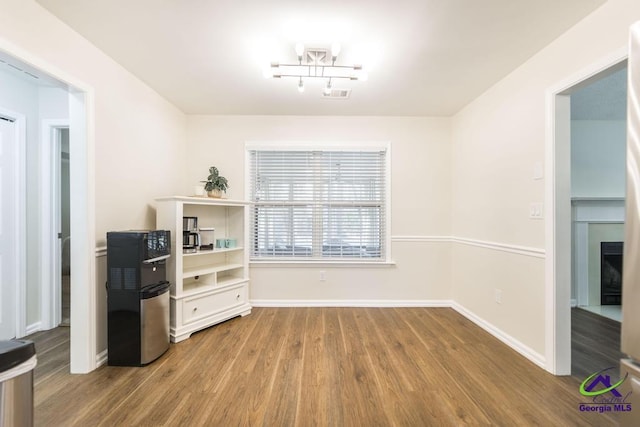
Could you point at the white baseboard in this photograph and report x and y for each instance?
(32, 328)
(350, 303)
(574, 303)
(101, 358)
(521, 348)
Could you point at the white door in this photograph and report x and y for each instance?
(8, 234)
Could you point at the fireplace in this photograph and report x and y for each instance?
(611, 273)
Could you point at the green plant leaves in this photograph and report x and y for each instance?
(215, 181)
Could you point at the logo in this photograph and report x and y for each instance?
(605, 396)
(605, 380)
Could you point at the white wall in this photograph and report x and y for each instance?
(598, 158)
(496, 141)
(139, 136)
(420, 178)
(21, 96)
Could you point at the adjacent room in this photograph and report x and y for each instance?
(334, 213)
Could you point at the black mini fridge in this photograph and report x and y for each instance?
(137, 296)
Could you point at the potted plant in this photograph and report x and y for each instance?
(215, 184)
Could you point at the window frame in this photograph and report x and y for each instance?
(324, 146)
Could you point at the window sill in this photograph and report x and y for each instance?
(321, 264)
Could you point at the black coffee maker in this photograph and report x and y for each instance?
(190, 235)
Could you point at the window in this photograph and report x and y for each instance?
(318, 205)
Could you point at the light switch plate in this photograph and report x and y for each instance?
(536, 210)
(538, 172)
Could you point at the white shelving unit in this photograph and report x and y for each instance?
(208, 286)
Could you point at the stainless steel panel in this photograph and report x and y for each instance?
(630, 390)
(631, 270)
(154, 328)
(16, 401)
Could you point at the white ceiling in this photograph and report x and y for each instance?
(424, 57)
(603, 99)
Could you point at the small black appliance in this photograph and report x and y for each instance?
(137, 296)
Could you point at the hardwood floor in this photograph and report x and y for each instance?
(595, 343)
(52, 350)
(325, 367)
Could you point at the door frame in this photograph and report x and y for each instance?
(20, 209)
(50, 251)
(558, 228)
(83, 346)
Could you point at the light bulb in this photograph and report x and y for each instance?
(327, 89)
(363, 76)
(300, 86)
(267, 72)
(299, 49)
(335, 50)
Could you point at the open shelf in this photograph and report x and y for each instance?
(192, 284)
(201, 270)
(230, 280)
(213, 252)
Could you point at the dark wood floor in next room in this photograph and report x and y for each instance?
(595, 343)
(320, 366)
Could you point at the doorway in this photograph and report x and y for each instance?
(65, 227)
(559, 232)
(598, 187)
(55, 224)
(82, 203)
(11, 225)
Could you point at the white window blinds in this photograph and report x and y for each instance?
(318, 205)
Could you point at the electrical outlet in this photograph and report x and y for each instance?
(323, 276)
(498, 295)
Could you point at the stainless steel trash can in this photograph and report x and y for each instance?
(154, 322)
(17, 361)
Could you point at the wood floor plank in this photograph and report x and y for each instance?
(333, 390)
(314, 384)
(322, 367)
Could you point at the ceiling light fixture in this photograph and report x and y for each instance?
(327, 88)
(299, 50)
(316, 63)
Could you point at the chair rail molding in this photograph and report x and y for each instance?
(503, 247)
